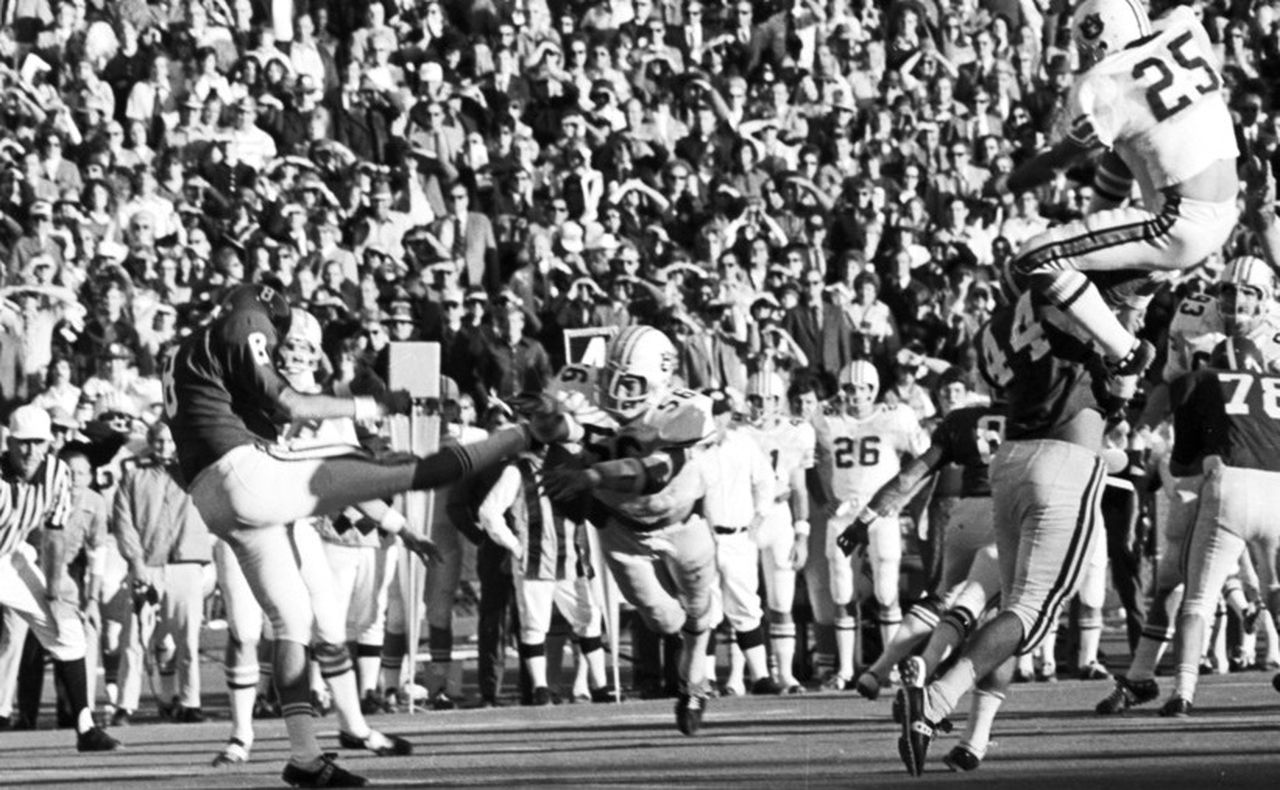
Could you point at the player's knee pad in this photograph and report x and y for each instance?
(753, 637)
(532, 650)
(1203, 604)
(334, 659)
(665, 619)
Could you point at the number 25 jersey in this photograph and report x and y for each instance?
(861, 455)
(1159, 104)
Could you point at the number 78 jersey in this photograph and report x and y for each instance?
(862, 455)
(1159, 104)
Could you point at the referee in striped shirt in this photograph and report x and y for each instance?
(35, 492)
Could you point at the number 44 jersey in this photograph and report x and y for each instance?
(861, 455)
(1159, 104)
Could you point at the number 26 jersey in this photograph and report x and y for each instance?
(1160, 105)
(861, 455)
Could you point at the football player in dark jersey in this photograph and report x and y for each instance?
(225, 399)
(1226, 423)
(1046, 485)
(961, 451)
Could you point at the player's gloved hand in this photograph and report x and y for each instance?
(396, 402)
(567, 482)
(856, 534)
(547, 422)
(421, 546)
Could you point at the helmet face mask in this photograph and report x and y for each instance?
(1244, 288)
(766, 398)
(859, 386)
(638, 368)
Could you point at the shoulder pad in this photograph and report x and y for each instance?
(681, 418)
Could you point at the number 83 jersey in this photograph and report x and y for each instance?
(1159, 104)
(861, 455)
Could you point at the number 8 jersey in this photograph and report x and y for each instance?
(1159, 104)
(861, 455)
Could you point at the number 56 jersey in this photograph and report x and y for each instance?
(861, 455)
(1159, 104)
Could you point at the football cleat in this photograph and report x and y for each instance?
(794, 688)
(917, 730)
(962, 758)
(378, 743)
(868, 685)
(836, 682)
(95, 739)
(1127, 694)
(1047, 673)
(234, 753)
(1094, 670)
(442, 701)
(327, 774)
(1176, 708)
(766, 687)
(690, 705)
(913, 671)
(541, 697)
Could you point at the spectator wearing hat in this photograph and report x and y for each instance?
(467, 237)
(110, 331)
(362, 116)
(40, 239)
(381, 225)
(511, 363)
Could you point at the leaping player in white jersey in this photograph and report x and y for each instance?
(859, 451)
(1153, 98)
(635, 474)
(784, 530)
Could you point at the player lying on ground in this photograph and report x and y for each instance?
(1151, 96)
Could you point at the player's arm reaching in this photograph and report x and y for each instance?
(1045, 165)
(896, 493)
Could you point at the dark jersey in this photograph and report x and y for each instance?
(221, 388)
(1047, 376)
(1233, 415)
(968, 438)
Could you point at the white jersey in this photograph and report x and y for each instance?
(864, 454)
(680, 422)
(1198, 327)
(1159, 104)
(789, 445)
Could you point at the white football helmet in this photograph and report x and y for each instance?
(1104, 27)
(639, 364)
(860, 384)
(1245, 289)
(766, 396)
(299, 351)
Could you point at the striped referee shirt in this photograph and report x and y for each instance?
(27, 506)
